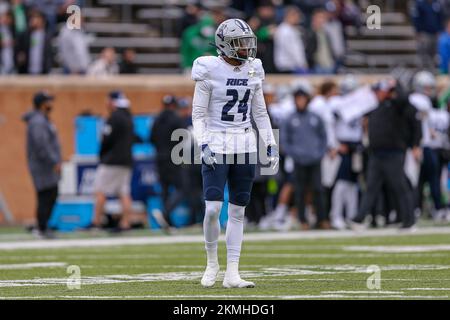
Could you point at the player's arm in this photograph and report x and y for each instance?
(261, 118)
(259, 109)
(200, 103)
(262, 121)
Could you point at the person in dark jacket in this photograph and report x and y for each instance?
(319, 50)
(428, 20)
(128, 63)
(44, 158)
(169, 174)
(33, 48)
(304, 139)
(113, 177)
(393, 128)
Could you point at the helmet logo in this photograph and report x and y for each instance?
(244, 26)
(220, 32)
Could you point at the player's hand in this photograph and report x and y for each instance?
(208, 157)
(274, 156)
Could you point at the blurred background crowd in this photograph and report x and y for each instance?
(342, 163)
(339, 164)
(294, 36)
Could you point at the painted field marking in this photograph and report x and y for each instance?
(182, 239)
(399, 249)
(268, 272)
(22, 266)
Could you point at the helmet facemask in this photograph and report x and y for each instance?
(246, 44)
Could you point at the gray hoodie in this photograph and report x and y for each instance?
(303, 137)
(43, 150)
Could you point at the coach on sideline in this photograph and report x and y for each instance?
(392, 128)
(113, 176)
(44, 158)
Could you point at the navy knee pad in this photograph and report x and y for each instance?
(240, 199)
(213, 193)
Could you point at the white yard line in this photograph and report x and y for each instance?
(158, 240)
(399, 249)
(195, 275)
(426, 289)
(22, 266)
(369, 292)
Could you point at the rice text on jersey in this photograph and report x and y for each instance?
(237, 82)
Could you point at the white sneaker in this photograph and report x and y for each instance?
(266, 222)
(159, 217)
(235, 281)
(338, 224)
(411, 229)
(358, 227)
(440, 215)
(210, 276)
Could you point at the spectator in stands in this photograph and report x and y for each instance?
(264, 25)
(348, 13)
(319, 50)
(196, 40)
(428, 21)
(51, 9)
(303, 137)
(444, 49)
(248, 7)
(7, 43)
(191, 15)
(105, 65)
(169, 173)
(308, 7)
(19, 11)
(289, 49)
(113, 176)
(335, 31)
(34, 51)
(128, 63)
(44, 158)
(73, 47)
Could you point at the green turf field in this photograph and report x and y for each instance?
(412, 266)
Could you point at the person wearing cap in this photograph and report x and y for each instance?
(392, 128)
(303, 137)
(113, 176)
(44, 158)
(170, 174)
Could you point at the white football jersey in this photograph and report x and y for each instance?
(226, 98)
(423, 105)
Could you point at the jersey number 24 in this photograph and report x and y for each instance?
(242, 107)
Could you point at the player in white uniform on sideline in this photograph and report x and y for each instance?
(228, 91)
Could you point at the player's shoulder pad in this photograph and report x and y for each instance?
(202, 67)
(258, 67)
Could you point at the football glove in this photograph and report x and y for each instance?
(273, 156)
(208, 157)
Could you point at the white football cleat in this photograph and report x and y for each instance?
(235, 281)
(210, 276)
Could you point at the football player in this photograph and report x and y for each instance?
(228, 92)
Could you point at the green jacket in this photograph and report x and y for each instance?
(196, 41)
